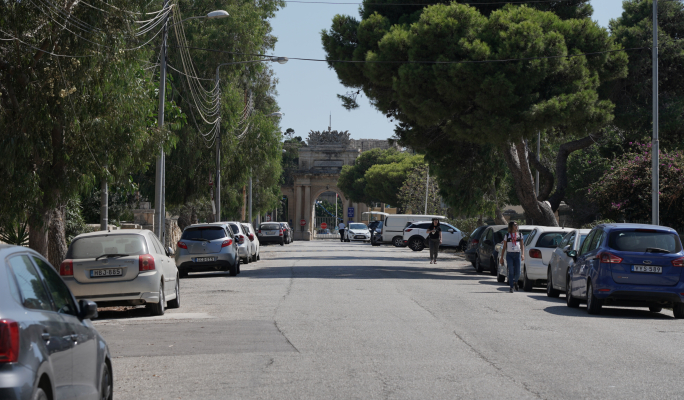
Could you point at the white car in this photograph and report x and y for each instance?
(254, 242)
(357, 231)
(244, 244)
(122, 268)
(539, 246)
(415, 235)
(562, 259)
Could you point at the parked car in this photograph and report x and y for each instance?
(561, 261)
(502, 272)
(126, 267)
(415, 235)
(632, 265)
(394, 224)
(207, 247)
(473, 244)
(485, 256)
(375, 226)
(244, 246)
(49, 349)
(357, 231)
(271, 232)
(287, 232)
(539, 245)
(255, 248)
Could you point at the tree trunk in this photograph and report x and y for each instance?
(38, 232)
(499, 218)
(516, 156)
(57, 236)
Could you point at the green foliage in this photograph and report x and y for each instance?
(412, 195)
(624, 191)
(466, 225)
(75, 224)
(13, 231)
(330, 207)
(290, 158)
(593, 224)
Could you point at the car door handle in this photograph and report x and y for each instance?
(74, 337)
(45, 336)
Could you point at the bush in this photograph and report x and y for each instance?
(467, 225)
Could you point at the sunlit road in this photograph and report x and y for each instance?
(326, 319)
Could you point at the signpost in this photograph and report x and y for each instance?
(324, 225)
(350, 212)
(302, 222)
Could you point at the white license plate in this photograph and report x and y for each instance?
(97, 273)
(647, 268)
(272, 232)
(205, 259)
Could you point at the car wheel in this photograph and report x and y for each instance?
(571, 301)
(678, 310)
(246, 260)
(493, 271)
(233, 269)
(39, 394)
(183, 274)
(158, 308)
(106, 392)
(398, 241)
(655, 309)
(478, 265)
(416, 244)
(175, 303)
(594, 304)
(527, 283)
(500, 278)
(259, 255)
(282, 242)
(550, 291)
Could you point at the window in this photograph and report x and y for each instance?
(30, 285)
(582, 237)
(587, 242)
(95, 246)
(549, 240)
(446, 227)
(499, 236)
(158, 243)
(235, 228)
(642, 240)
(358, 226)
(568, 239)
(596, 240)
(204, 232)
(488, 234)
(155, 245)
(424, 226)
(61, 295)
(477, 233)
(269, 227)
(530, 237)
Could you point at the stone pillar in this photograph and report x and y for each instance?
(298, 211)
(307, 212)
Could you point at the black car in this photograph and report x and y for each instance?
(485, 252)
(474, 244)
(287, 232)
(49, 349)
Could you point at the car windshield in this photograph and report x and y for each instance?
(270, 227)
(582, 237)
(204, 232)
(96, 246)
(644, 240)
(357, 226)
(549, 240)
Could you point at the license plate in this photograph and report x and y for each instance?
(205, 259)
(272, 232)
(647, 268)
(98, 273)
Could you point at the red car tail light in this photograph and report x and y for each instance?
(475, 241)
(678, 262)
(240, 239)
(408, 230)
(281, 232)
(227, 243)
(146, 262)
(259, 231)
(609, 258)
(251, 237)
(535, 253)
(66, 268)
(9, 341)
(182, 245)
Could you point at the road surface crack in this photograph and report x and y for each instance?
(275, 312)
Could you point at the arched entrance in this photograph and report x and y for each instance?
(327, 214)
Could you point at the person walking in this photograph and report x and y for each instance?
(341, 227)
(434, 240)
(514, 250)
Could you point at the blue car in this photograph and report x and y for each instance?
(629, 265)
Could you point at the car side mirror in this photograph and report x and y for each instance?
(170, 252)
(572, 253)
(451, 231)
(87, 309)
(488, 242)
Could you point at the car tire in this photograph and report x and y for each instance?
(416, 244)
(158, 308)
(175, 303)
(493, 270)
(478, 265)
(655, 309)
(398, 241)
(259, 255)
(106, 386)
(571, 301)
(550, 290)
(183, 274)
(233, 269)
(594, 304)
(527, 283)
(39, 394)
(282, 242)
(374, 242)
(500, 278)
(246, 260)
(678, 310)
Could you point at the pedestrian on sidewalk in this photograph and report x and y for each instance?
(515, 253)
(341, 227)
(434, 240)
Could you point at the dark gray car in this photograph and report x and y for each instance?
(49, 349)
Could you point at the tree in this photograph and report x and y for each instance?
(412, 195)
(496, 103)
(383, 181)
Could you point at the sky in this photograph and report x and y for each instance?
(307, 90)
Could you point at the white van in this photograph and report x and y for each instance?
(393, 227)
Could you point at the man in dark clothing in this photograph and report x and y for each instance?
(434, 239)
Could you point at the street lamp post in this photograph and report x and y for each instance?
(655, 147)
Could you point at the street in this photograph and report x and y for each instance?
(325, 319)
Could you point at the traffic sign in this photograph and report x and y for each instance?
(268, 218)
(350, 212)
(302, 222)
(324, 225)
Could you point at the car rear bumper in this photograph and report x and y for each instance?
(271, 239)
(220, 265)
(629, 295)
(536, 269)
(141, 290)
(16, 382)
(470, 254)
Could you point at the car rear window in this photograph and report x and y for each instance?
(204, 232)
(642, 240)
(477, 232)
(95, 246)
(270, 227)
(549, 240)
(357, 226)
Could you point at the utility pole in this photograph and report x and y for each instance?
(655, 146)
(104, 202)
(250, 197)
(159, 176)
(536, 181)
(427, 185)
(218, 160)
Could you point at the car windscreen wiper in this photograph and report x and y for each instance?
(200, 239)
(656, 250)
(111, 255)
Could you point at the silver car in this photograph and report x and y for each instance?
(126, 267)
(254, 242)
(244, 245)
(207, 247)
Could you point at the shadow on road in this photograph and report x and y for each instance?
(608, 312)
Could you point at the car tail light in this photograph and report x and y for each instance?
(408, 230)
(475, 241)
(146, 262)
(609, 258)
(251, 237)
(66, 268)
(227, 243)
(241, 239)
(678, 262)
(9, 341)
(535, 253)
(259, 231)
(281, 232)
(182, 245)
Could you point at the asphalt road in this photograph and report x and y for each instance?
(325, 319)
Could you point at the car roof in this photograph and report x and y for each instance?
(205, 224)
(7, 249)
(116, 232)
(635, 226)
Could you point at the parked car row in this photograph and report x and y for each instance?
(275, 232)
